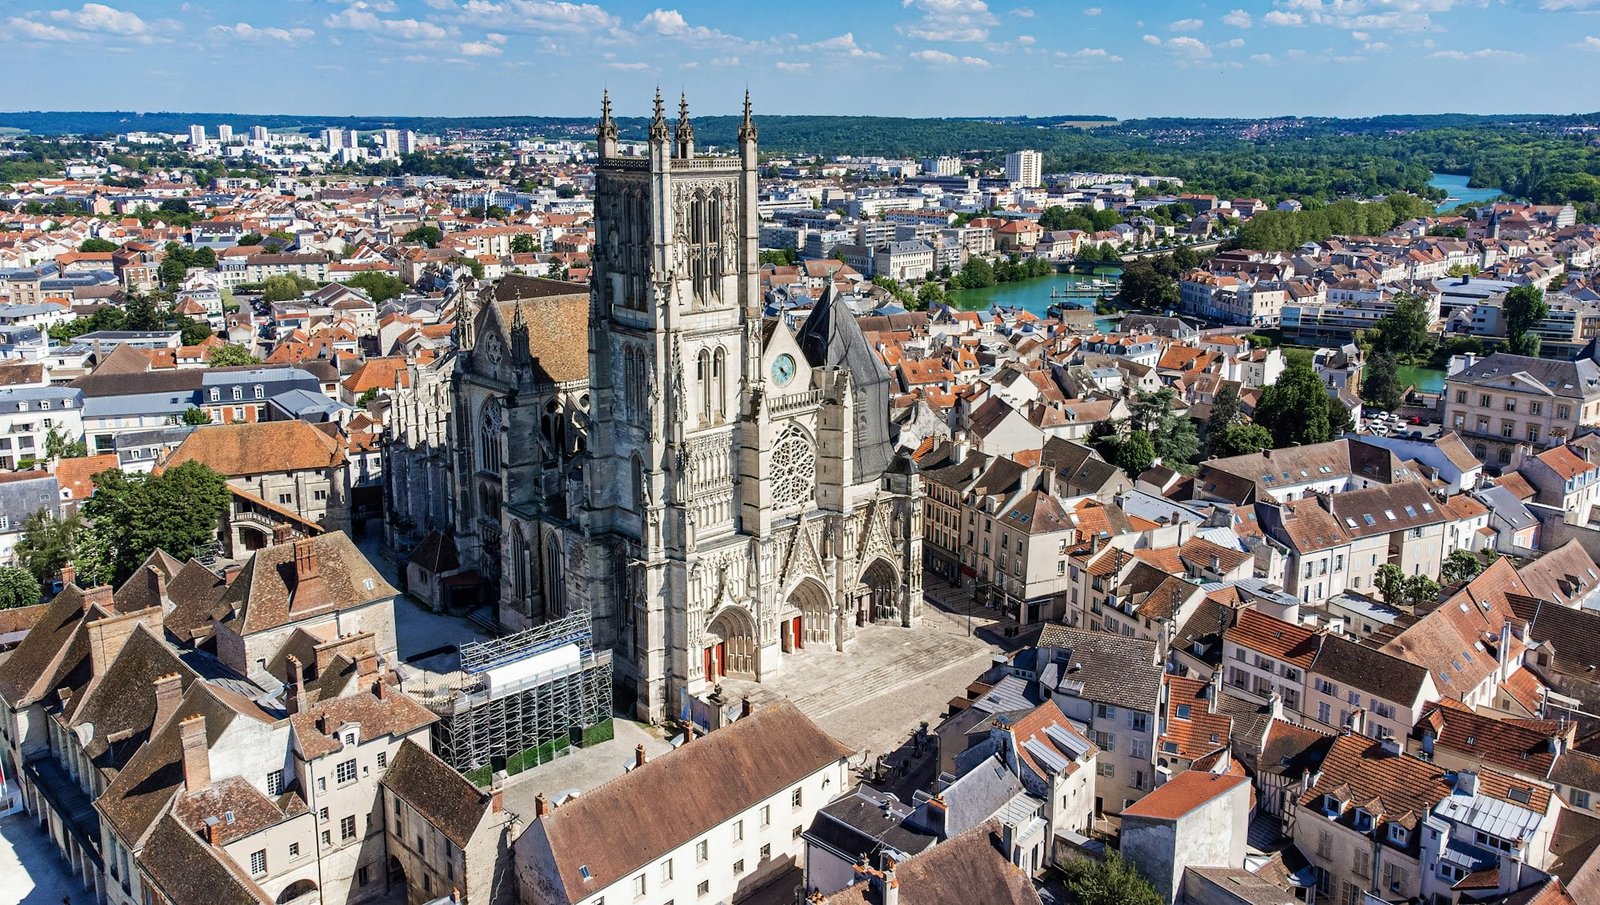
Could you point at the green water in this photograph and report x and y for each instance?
(1426, 380)
(1030, 295)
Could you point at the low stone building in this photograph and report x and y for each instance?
(446, 836)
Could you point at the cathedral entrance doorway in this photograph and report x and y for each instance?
(880, 582)
(730, 644)
(813, 624)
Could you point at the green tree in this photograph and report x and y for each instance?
(281, 288)
(47, 544)
(1391, 583)
(230, 355)
(196, 416)
(1145, 286)
(1404, 332)
(141, 313)
(18, 588)
(1460, 565)
(1298, 409)
(1421, 590)
(977, 273)
(1524, 308)
(930, 294)
(380, 287)
(472, 264)
(1238, 439)
(93, 244)
(58, 446)
(1054, 218)
(424, 235)
(193, 332)
(176, 511)
(1113, 881)
(525, 243)
(1380, 383)
(250, 239)
(172, 271)
(1136, 453)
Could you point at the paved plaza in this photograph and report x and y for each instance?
(873, 696)
(31, 873)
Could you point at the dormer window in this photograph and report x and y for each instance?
(1363, 820)
(1398, 834)
(1332, 806)
(216, 394)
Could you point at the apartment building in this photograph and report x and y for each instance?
(1508, 400)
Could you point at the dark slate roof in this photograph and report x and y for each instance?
(444, 797)
(1355, 665)
(1571, 379)
(1110, 668)
(831, 338)
(865, 823)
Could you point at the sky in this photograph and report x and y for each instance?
(1122, 58)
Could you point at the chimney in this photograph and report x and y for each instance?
(638, 756)
(305, 560)
(1213, 690)
(196, 757)
(99, 596)
(891, 884)
(497, 800)
(230, 572)
(745, 708)
(168, 689)
(541, 806)
(1008, 841)
(157, 583)
(688, 731)
(281, 535)
(107, 636)
(213, 833)
(294, 695)
(938, 813)
(68, 574)
(366, 663)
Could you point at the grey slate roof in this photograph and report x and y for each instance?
(1099, 666)
(831, 337)
(1571, 379)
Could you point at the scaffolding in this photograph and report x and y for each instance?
(520, 700)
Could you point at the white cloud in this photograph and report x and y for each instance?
(787, 66)
(244, 31)
(537, 15)
(1151, 39)
(97, 17)
(479, 49)
(1279, 17)
(669, 23)
(495, 38)
(1232, 44)
(42, 31)
(1090, 54)
(948, 20)
(1487, 53)
(842, 44)
(1238, 19)
(1189, 47)
(381, 6)
(1023, 12)
(1360, 35)
(1187, 25)
(1027, 40)
(1589, 42)
(358, 17)
(1263, 58)
(628, 67)
(941, 58)
(1364, 15)
(1092, 11)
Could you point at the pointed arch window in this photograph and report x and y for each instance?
(704, 377)
(636, 484)
(489, 457)
(555, 585)
(719, 376)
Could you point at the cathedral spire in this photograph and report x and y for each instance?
(747, 128)
(606, 133)
(658, 124)
(685, 128)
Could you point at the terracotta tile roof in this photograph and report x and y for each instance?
(1449, 640)
(186, 869)
(1518, 485)
(379, 374)
(268, 594)
(1392, 787)
(556, 316)
(1527, 745)
(1192, 729)
(316, 728)
(1182, 794)
(75, 475)
(262, 447)
(1256, 631)
(663, 805)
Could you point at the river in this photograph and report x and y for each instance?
(1031, 295)
(1459, 191)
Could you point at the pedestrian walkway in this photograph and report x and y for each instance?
(31, 872)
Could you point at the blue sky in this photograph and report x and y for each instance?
(1124, 58)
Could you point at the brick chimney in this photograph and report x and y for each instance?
(68, 574)
(230, 572)
(305, 560)
(309, 589)
(156, 581)
(294, 692)
(497, 800)
(745, 708)
(213, 833)
(938, 811)
(196, 757)
(97, 596)
(638, 756)
(107, 636)
(168, 691)
(366, 663)
(541, 806)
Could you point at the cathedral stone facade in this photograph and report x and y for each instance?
(717, 487)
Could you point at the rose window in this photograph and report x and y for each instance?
(794, 469)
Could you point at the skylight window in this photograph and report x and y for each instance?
(1411, 511)
(1350, 521)
(1389, 513)
(1367, 517)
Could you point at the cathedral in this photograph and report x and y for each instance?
(717, 487)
